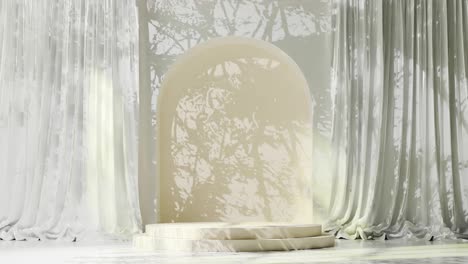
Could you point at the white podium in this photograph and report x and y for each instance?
(225, 237)
(234, 152)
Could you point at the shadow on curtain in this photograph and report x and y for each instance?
(68, 118)
(400, 130)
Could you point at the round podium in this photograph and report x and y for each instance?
(226, 237)
(234, 152)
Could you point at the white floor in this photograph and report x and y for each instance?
(394, 251)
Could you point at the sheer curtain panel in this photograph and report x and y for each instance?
(400, 128)
(68, 118)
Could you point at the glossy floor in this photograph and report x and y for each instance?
(394, 251)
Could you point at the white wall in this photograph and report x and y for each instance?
(301, 28)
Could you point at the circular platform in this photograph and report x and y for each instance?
(146, 242)
(224, 231)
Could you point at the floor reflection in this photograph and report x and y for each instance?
(346, 251)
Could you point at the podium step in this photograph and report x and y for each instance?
(224, 231)
(232, 237)
(147, 242)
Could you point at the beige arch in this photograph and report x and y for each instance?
(234, 135)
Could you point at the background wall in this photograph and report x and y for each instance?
(168, 28)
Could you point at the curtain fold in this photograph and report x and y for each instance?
(400, 131)
(68, 118)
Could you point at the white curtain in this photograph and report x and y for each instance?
(400, 135)
(68, 118)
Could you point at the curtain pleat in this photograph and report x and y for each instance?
(68, 118)
(400, 131)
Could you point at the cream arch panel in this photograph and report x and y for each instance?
(234, 135)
